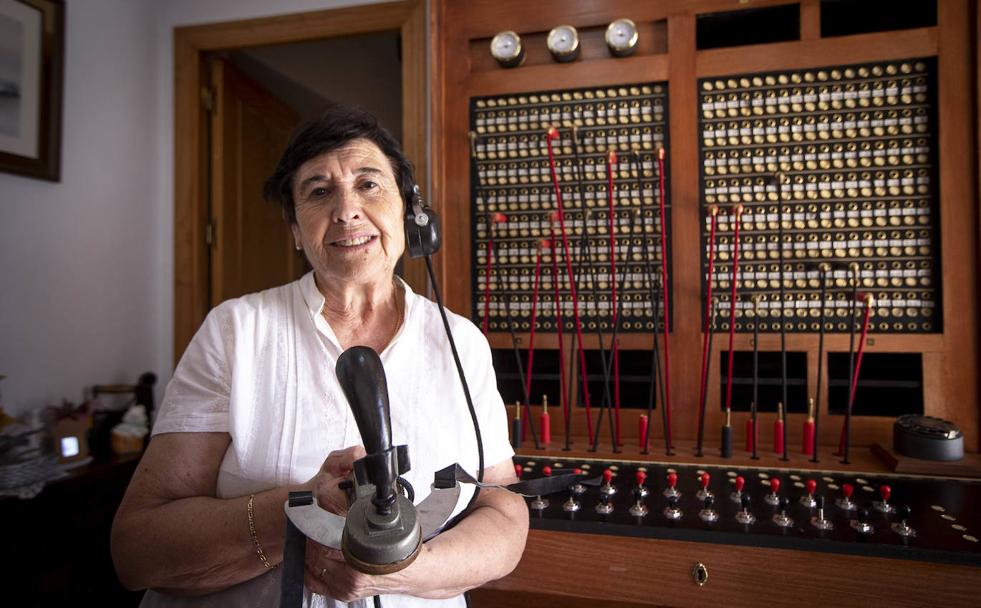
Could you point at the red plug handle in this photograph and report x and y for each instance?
(774, 484)
(518, 470)
(672, 480)
(847, 490)
(641, 477)
(884, 492)
(705, 480)
(740, 483)
(577, 471)
(547, 471)
(811, 486)
(607, 476)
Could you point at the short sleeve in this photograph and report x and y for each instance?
(491, 413)
(196, 399)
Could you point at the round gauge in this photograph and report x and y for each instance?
(506, 48)
(563, 43)
(621, 37)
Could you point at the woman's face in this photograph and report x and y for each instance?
(349, 214)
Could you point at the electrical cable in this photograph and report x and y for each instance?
(667, 298)
(585, 253)
(551, 134)
(706, 341)
(466, 393)
(654, 293)
(524, 389)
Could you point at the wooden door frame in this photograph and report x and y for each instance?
(191, 44)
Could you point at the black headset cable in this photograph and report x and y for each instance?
(466, 392)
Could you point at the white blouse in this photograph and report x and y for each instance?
(261, 368)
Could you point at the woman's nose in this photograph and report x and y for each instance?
(347, 207)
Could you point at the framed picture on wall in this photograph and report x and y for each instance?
(32, 41)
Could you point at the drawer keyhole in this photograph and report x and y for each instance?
(700, 574)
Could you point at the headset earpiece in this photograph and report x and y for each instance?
(421, 226)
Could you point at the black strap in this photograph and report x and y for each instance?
(294, 557)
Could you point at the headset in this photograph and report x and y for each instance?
(421, 225)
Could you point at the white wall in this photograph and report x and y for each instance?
(82, 285)
(86, 265)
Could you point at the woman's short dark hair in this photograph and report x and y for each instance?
(338, 126)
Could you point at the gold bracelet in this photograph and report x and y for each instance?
(255, 538)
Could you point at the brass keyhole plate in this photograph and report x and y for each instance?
(700, 574)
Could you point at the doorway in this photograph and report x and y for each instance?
(258, 96)
(240, 89)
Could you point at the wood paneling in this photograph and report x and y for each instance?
(845, 50)
(190, 196)
(571, 570)
(958, 219)
(415, 89)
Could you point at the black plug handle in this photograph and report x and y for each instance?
(362, 378)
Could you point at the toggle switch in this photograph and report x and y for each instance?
(862, 524)
(607, 489)
(808, 499)
(902, 526)
(671, 490)
(641, 489)
(704, 492)
(883, 505)
(845, 502)
(737, 496)
(745, 516)
(708, 514)
(781, 518)
(605, 505)
(773, 498)
(818, 521)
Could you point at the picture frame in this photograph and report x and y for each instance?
(32, 42)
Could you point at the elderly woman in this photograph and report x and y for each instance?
(254, 409)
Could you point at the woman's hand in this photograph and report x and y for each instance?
(336, 468)
(328, 574)
(484, 546)
(324, 564)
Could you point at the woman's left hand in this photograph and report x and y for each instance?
(328, 574)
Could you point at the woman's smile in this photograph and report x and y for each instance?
(354, 243)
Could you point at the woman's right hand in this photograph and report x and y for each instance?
(336, 468)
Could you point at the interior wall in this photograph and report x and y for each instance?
(82, 284)
(86, 264)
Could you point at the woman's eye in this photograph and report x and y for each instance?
(318, 192)
(369, 185)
